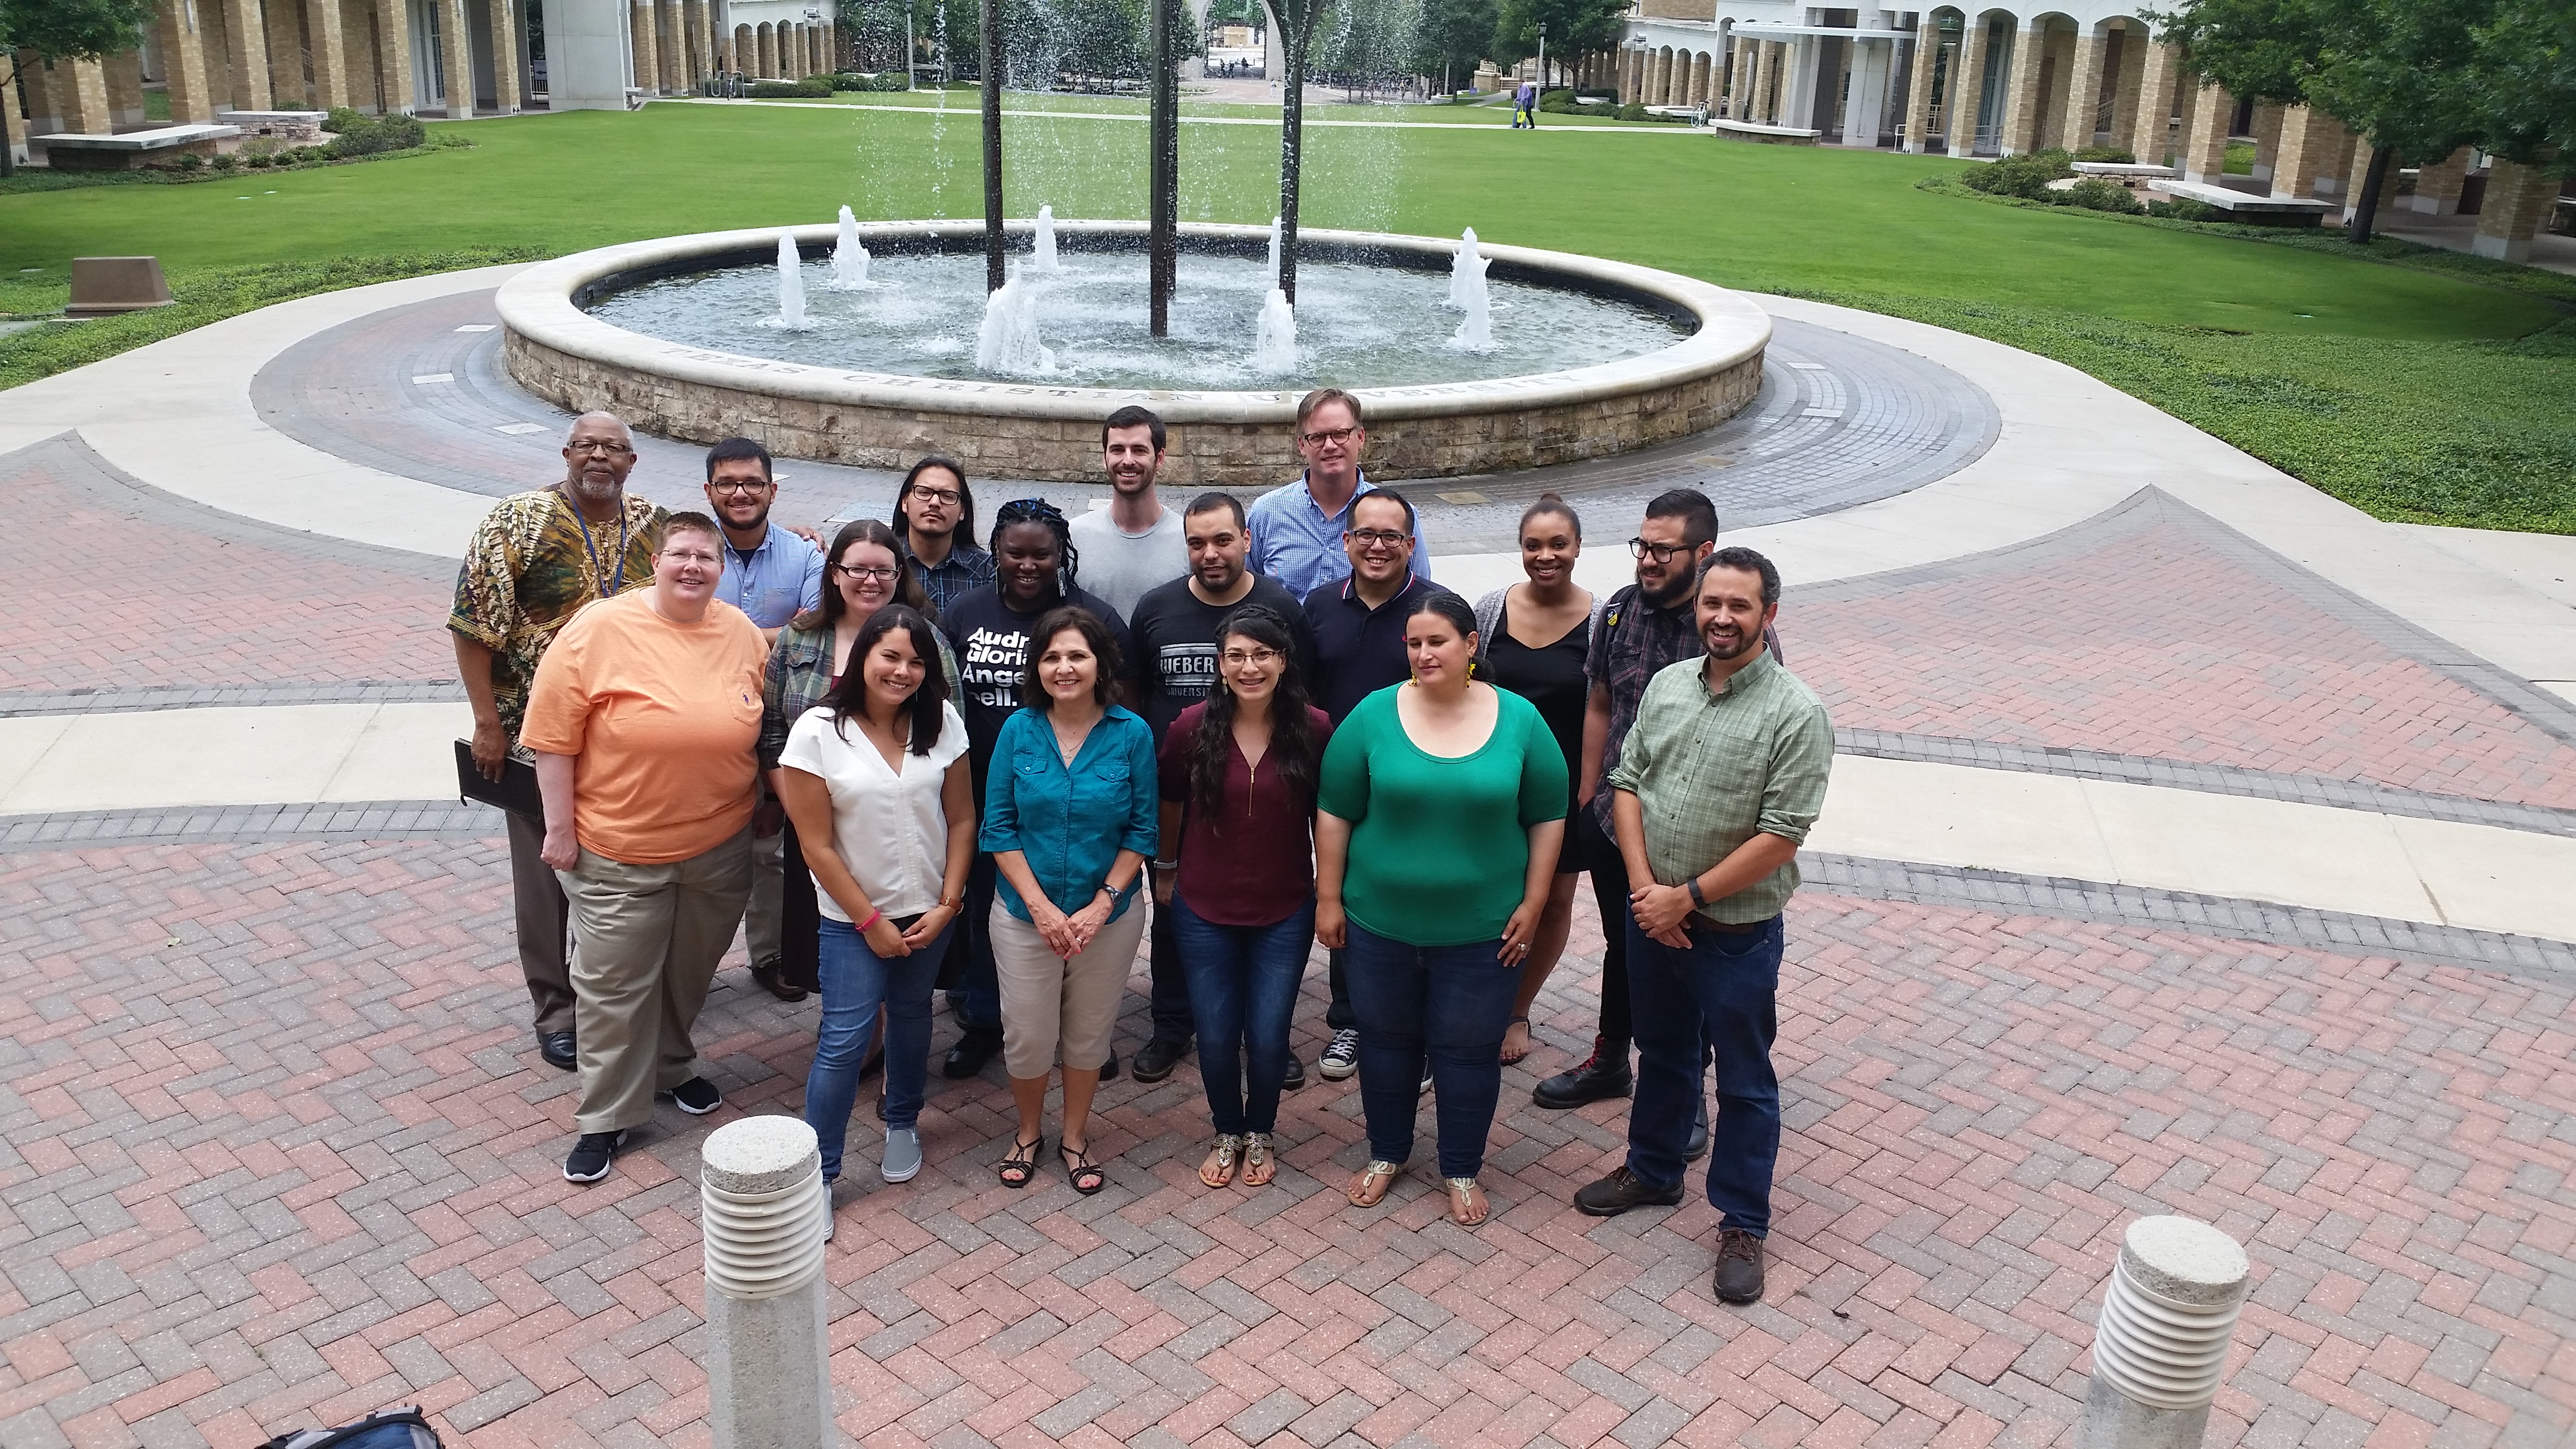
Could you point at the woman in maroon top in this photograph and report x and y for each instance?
(1238, 786)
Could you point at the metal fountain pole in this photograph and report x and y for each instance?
(1163, 183)
(1298, 19)
(989, 35)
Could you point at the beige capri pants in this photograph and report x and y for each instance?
(1048, 1002)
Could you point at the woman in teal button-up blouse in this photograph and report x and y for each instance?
(1070, 820)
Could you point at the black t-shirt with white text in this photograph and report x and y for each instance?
(991, 640)
(1176, 644)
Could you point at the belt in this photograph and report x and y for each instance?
(1730, 928)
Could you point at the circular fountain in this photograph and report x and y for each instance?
(1467, 359)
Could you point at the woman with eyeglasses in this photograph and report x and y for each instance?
(1442, 808)
(1070, 820)
(875, 779)
(1538, 641)
(864, 570)
(1238, 789)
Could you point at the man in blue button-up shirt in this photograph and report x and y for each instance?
(1297, 530)
(772, 575)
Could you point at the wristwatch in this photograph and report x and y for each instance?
(1696, 898)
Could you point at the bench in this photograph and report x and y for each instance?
(299, 128)
(2128, 173)
(1768, 135)
(2247, 207)
(131, 150)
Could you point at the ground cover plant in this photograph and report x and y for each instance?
(2428, 390)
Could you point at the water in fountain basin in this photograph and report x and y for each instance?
(1042, 260)
(1458, 269)
(791, 287)
(1274, 337)
(850, 258)
(1476, 331)
(1008, 344)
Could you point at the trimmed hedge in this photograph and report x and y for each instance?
(811, 88)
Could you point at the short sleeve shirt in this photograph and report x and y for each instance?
(1123, 567)
(774, 582)
(889, 825)
(529, 566)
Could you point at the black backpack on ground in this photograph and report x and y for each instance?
(392, 1429)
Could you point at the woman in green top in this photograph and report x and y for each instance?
(1442, 805)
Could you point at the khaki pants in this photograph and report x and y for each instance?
(1047, 1001)
(760, 921)
(647, 939)
(537, 900)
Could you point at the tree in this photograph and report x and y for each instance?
(2523, 78)
(1574, 27)
(1455, 35)
(2388, 69)
(60, 30)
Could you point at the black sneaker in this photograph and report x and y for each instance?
(972, 1051)
(1698, 1145)
(1739, 1267)
(697, 1096)
(1156, 1058)
(1109, 1068)
(1620, 1191)
(1602, 1076)
(590, 1157)
(1296, 1074)
(1341, 1055)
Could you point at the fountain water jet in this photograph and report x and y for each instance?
(1274, 251)
(1458, 269)
(1008, 342)
(791, 286)
(850, 258)
(1274, 339)
(1042, 256)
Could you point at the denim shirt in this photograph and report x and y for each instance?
(1070, 822)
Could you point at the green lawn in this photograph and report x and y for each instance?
(2387, 386)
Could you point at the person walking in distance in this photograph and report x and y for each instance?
(535, 559)
(1720, 778)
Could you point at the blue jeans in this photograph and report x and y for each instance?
(1723, 991)
(856, 981)
(1174, 1020)
(1243, 988)
(977, 992)
(1449, 1002)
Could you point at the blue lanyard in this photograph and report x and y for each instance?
(596, 569)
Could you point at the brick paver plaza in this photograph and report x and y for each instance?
(278, 1150)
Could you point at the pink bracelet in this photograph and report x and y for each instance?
(873, 918)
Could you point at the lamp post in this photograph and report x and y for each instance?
(1542, 62)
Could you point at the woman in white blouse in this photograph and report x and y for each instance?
(875, 778)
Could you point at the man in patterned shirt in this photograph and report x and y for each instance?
(536, 558)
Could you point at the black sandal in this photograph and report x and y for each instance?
(1021, 1167)
(1086, 1175)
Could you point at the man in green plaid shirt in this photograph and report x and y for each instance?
(1722, 775)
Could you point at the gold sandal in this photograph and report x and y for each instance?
(1258, 1164)
(1369, 1188)
(1218, 1170)
(1466, 1195)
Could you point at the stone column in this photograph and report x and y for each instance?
(80, 90)
(505, 56)
(1739, 77)
(1967, 93)
(696, 61)
(330, 53)
(124, 76)
(2083, 94)
(2267, 140)
(1918, 90)
(2126, 84)
(286, 84)
(2437, 184)
(2204, 146)
(246, 53)
(456, 58)
(183, 59)
(393, 56)
(358, 52)
(1677, 78)
(648, 52)
(2150, 132)
(1777, 84)
(2518, 199)
(2021, 94)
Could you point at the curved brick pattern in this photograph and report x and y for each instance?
(2156, 631)
(288, 1159)
(162, 593)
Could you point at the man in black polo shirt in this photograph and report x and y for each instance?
(1358, 624)
(1175, 626)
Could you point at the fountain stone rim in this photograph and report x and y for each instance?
(539, 306)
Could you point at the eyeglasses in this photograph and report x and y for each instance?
(1322, 436)
(702, 560)
(945, 497)
(1662, 552)
(879, 572)
(1238, 658)
(1379, 537)
(731, 486)
(608, 446)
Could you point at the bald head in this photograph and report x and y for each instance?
(598, 454)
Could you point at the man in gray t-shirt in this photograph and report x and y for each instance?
(1134, 545)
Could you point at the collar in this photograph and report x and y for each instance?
(1308, 488)
(768, 535)
(1751, 673)
(1350, 586)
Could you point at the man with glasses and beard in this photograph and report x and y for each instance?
(535, 559)
(934, 515)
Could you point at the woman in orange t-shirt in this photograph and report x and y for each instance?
(643, 717)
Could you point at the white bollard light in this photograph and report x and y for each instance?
(2160, 1346)
(763, 1207)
